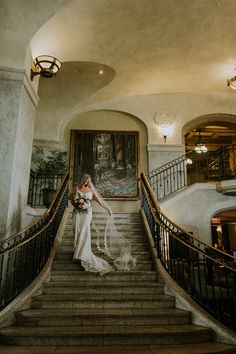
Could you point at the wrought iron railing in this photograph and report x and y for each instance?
(227, 162)
(207, 274)
(191, 168)
(23, 256)
(42, 188)
(184, 171)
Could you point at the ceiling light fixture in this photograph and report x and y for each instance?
(232, 82)
(200, 146)
(45, 66)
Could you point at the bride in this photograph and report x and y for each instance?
(109, 241)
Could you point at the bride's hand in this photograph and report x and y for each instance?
(109, 212)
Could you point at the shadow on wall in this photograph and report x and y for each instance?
(14, 225)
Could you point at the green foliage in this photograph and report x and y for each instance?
(55, 162)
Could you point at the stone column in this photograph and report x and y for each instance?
(18, 102)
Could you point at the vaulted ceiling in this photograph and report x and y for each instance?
(154, 46)
(143, 47)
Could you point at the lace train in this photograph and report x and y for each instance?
(82, 244)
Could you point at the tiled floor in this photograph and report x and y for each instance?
(152, 349)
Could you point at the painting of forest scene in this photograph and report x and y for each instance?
(111, 158)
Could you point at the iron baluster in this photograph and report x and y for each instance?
(200, 269)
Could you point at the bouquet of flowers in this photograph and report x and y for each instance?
(80, 201)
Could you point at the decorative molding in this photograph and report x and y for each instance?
(49, 144)
(11, 74)
(14, 74)
(165, 147)
(164, 118)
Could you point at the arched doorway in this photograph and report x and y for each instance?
(223, 228)
(215, 130)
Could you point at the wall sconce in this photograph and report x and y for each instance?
(232, 82)
(164, 121)
(46, 66)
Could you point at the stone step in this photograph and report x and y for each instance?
(103, 215)
(138, 246)
(104, 335)
(136, 276)
(102, 317)
(130, 235)
(117, 222)
(68, 239)
(69, 265)
(98, 301)
(193, 348)
(139, 255)
(102, 287)
(121, 227)
(86, 297)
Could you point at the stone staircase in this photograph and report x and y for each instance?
(78, 308)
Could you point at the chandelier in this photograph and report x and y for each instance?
(232, 83)
(45, 66)
(200, 146)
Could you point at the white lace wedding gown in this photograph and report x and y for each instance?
(83, 251)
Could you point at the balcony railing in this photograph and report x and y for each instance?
(42, 188)
(193, 168)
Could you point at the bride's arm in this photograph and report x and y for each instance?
(101, 202)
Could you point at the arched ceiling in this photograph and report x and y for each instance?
(153, 45)
(214, 134)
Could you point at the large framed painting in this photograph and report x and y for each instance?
(111, 158)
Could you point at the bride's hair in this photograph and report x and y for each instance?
(84, 178)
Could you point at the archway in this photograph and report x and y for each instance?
(103, 120)
(223, 229)
(216, 130)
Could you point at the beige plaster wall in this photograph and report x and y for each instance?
(21, 162)
(17, 28)
(184, 107)
(193, 208)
